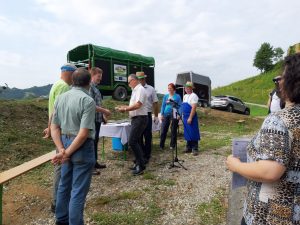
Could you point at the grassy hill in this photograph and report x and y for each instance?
(254, 89)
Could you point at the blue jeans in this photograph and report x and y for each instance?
(75, 182)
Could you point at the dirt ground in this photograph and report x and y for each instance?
(176, 192)
(28, 203)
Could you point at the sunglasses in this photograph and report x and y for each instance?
(277, 80)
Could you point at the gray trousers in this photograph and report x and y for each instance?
(56, 179)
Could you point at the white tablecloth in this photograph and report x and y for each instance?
(118, 130)
(121, 130)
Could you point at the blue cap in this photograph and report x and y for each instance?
(68, 67)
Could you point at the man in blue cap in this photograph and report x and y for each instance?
(59, 87)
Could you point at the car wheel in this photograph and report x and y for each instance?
(229, 108)
(247, 112)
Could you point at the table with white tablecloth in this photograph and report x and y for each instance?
(120, 130)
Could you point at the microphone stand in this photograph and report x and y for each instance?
(175, 154)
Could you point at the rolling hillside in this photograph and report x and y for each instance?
(254, 89)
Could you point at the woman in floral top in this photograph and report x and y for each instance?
(273, 167)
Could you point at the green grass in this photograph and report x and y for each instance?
(213, 212)
(130, 217)
(257, 110)
(255, 89)
(103, 200)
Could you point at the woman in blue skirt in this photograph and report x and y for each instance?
(190, 119)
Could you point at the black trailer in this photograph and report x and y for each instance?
(202, 86)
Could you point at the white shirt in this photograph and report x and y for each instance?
(190, 98)
(138, 95)
(275, 103)
(151, 97)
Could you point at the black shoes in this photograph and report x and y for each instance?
(138, 170)
(61, 223)
(99, 166)
(187, 150)
(195, 153)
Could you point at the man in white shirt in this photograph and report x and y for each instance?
(138, 114)
(152, 102)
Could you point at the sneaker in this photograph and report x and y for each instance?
(195, 152)
(171, 148)
(99, 166)
(187, 150)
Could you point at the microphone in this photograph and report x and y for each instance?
(172, 100)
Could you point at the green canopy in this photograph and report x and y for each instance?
(84, 53)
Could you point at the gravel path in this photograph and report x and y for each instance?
(206, 175)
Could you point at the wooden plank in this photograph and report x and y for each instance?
(19, 170)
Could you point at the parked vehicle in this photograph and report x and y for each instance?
(116, 66)
(229, 103)
(202, 86)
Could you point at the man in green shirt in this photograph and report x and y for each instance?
(73, 132)
(59, 87)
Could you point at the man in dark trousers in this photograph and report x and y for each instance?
(139, 118)
(152, 103)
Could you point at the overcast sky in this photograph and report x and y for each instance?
(214, 38)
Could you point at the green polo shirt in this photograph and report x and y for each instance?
(57, 89)
(74, 110)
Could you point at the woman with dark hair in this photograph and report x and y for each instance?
(273, 159)
(169, 108)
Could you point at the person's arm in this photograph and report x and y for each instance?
(47, 131)
(155, 109)
(56, 137)
(103, 110)
(133, 107)
(162, 108)
(78, 141)
(155, 104)
(193, 112)
(259, 171)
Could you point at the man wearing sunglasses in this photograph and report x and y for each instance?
(276, 101)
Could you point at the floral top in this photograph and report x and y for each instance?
(279, 140)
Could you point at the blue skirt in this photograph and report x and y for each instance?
(191, 131)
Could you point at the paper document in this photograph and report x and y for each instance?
(239, 149)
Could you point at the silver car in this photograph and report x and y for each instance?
(229, 103)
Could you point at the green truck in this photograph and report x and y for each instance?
(116, 65)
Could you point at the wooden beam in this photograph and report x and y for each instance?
(25, 167)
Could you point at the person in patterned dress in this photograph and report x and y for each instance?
(273, 159)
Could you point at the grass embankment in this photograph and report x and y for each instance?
(22, 123)
(254, 89)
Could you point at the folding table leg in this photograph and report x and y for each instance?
(103, 152)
